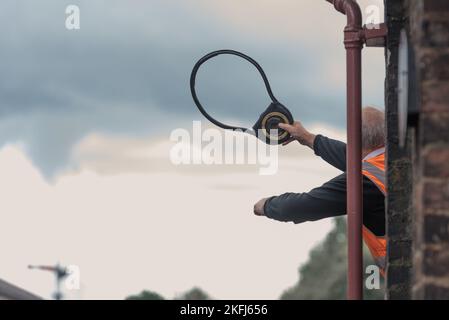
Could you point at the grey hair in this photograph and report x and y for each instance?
(373, 129)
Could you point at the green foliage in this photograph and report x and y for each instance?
(146, 295)
(194, 294)
(323, 276)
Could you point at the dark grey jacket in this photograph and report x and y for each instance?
(329, 200)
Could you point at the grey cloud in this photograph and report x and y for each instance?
(127, 70)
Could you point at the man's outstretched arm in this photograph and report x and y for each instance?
(329, 200)
(330, 150)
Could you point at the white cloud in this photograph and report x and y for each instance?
(137, 229)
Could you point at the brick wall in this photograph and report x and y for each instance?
(399, 199)
(430, 26)
(419, 218)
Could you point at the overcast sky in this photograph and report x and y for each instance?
(85, 119)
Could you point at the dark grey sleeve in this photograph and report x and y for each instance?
(332, 151)
(329, 200)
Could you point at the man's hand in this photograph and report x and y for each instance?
(259, 207)
(298, 133)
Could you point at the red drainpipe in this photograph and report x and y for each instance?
(355, 36)
(353, 40)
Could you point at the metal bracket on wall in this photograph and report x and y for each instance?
(375, 35)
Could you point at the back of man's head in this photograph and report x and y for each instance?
(373, 129)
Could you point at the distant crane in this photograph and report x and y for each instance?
(60, 273)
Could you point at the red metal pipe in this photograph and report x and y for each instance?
(354, 43)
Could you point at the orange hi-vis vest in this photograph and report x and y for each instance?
(373, 167)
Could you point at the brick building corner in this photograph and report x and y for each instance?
(418, 174)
